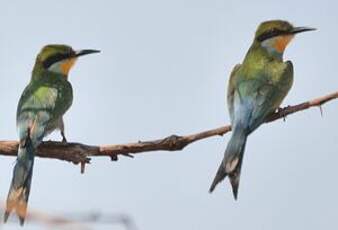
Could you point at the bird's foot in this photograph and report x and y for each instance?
(64, 139)
(283, 111)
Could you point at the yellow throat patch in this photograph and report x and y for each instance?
(67, 65)
(282, 41)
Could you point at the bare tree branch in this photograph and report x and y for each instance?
(80, 153)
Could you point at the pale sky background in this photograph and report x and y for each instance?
(163, 70)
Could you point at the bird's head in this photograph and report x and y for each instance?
(275, 35)
(60, 58)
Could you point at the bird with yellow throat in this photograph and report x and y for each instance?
(42, 105)
(256, 89)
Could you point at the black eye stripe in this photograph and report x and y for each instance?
(56, 58)
(270, 34)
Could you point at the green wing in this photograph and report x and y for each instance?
(231, 91)
(270, 95)
(263, 94)
(42, 103)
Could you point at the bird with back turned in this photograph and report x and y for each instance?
(40, 111)
(256, 89)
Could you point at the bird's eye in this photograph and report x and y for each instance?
(273, 32)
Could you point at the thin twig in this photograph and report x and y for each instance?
(81, 153)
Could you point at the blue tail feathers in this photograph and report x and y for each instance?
(232, 161)
(18, 194)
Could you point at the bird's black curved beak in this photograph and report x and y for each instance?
(301, 29)
(85, 52)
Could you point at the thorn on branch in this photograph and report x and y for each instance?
(321, 110)
(114, 157)
(83, 166)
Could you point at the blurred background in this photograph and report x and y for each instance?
(163, 69)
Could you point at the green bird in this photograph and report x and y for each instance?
(256, 89)
(44, 101)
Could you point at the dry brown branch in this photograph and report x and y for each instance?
(80, 153)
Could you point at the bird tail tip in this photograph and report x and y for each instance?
(6, 215)
(17, 201)
(232, 161)
(234, 181)
(220, 175)
(233, 177)
(21, 220)
(19, 190)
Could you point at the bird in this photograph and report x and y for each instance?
(256, 89)
(40, 111)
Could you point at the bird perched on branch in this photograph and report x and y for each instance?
(256, 89)
(42, 104)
